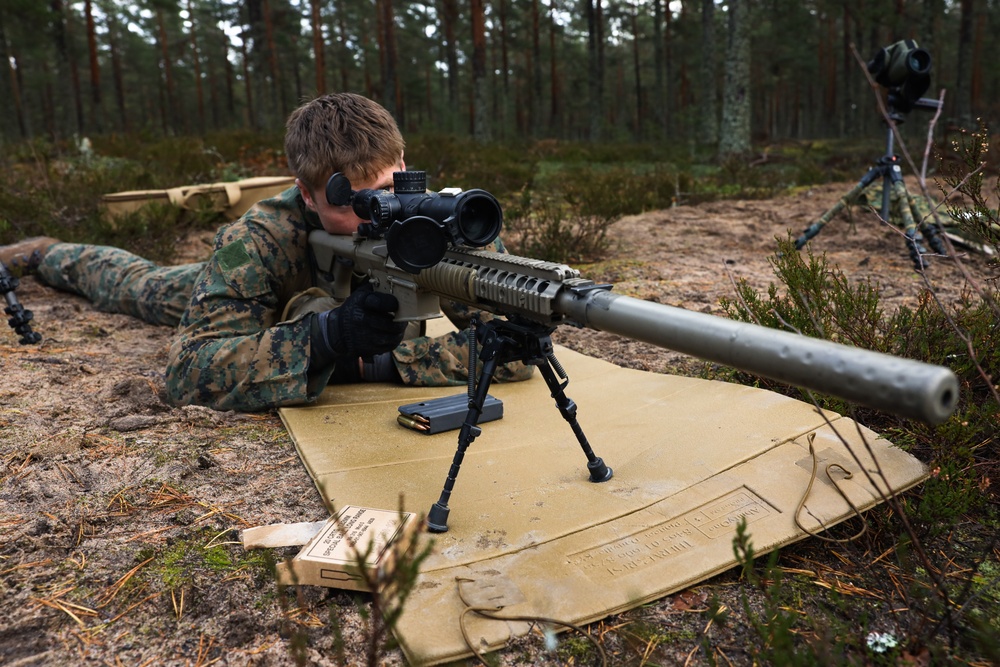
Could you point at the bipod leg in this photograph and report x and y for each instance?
(599, 472)
(20, 317)
(437, 518)
(848, 199)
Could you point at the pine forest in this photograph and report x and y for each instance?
(689, 71)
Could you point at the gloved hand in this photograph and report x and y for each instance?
(349, 370)
(361, 327)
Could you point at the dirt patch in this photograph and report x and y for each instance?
(119, 514)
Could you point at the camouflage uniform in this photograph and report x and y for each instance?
(240, 346)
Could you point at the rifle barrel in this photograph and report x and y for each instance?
(903, 387)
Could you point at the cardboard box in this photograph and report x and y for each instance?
(331, 556)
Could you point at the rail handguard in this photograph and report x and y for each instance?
(553, 294)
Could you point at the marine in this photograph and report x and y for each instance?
(253, 329)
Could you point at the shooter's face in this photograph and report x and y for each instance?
(342, 220)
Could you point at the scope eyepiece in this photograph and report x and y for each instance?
(383, 207)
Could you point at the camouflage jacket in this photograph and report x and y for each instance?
(234, 350)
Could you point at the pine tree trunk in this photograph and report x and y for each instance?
(345, 56)
(659, 92)
(637, 73)
(15, 86)
(394, 92)
(963, 73)
(481, 121)
(501, 100)
(74, 70)
(278, 102)
(117, 70)
(196, 65)
(554, 92)
(734, 136)
(535, 104)
(449, 17)
(169, 109)
(230, 78)
(976, 90)
(247, 85)
(829, 74)
(595, 71)
(318, 48)
(709, 125)
(95, 69)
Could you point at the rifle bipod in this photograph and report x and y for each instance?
(20, 318)
(505, 341)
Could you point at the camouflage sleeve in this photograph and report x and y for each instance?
(440, 361)
(232, 353)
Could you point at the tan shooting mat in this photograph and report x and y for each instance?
(530, 533)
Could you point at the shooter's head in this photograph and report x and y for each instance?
(345, 133)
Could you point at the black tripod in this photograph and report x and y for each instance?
(20, 319)
(894, 192)
(505, 341)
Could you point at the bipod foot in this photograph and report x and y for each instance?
(437, 518)
(599, 472)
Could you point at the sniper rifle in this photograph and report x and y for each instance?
(417, 249)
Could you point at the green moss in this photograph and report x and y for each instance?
(195, 559)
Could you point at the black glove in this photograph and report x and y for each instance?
(349, 370)
(361, 327)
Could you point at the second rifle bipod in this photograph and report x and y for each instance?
(20, 317)
(915, 227)
(504, 341)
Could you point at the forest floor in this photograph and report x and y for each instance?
(119, 514)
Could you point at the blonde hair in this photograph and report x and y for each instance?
(341, 132)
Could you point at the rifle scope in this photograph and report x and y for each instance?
(419, 225)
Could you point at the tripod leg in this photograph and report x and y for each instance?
(437, 518)
(599, 472)
(928, 228)
(848, 199)
(909, 225)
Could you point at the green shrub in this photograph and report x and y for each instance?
(973, 213)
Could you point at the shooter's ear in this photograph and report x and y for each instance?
(306, 195)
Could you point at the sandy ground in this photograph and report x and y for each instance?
(119, 515)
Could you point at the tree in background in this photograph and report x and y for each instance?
(734, 134)
(963, 91)
(480, 105)
(318, 45)
(595, 66)
(597, 69)
(709, 126)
